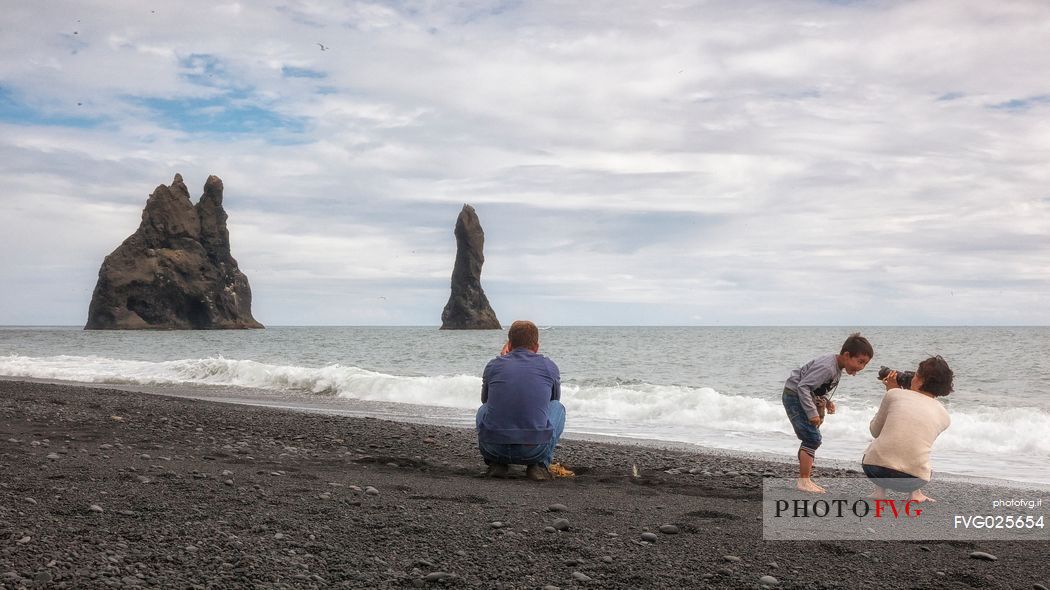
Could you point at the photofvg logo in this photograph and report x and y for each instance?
(865, 509)
(841, 508)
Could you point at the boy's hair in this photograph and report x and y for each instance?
(857, 345)
(936, 376)
(523, 333)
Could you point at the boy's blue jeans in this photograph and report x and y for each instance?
(806, 432)
(541, 454)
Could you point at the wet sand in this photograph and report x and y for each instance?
(106, 488)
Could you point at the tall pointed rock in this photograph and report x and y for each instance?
(467, 307)
(176, 271)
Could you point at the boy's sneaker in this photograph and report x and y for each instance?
(497, 470)
(537, 473)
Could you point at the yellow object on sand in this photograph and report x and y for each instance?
(557, 470)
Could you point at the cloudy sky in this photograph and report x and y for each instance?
(711, 162)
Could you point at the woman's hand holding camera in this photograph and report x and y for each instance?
(891, 381)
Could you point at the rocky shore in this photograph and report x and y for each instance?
(103, 488)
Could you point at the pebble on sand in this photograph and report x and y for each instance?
(95, 508)
(768, 581)
(561, 524)
(668, 529)
(983, 556)
(731, 558)
(581, 577)
(370, 491)
(558, 508)
(651, 537)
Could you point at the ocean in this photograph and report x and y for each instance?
(716, 387)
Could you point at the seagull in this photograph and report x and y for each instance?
(323, 48)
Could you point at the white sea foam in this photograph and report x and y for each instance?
(633, 405)
(460, 391)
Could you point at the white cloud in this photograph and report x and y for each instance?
(780, 162)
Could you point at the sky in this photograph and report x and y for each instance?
(779, 162)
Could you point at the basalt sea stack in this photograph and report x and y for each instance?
(467, 307)
(175, 272)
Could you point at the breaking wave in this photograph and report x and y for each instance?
(628, 402)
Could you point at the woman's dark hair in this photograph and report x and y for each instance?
(936, 376)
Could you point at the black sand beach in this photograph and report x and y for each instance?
(105, 488)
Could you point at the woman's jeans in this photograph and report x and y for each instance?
(541, 454)
(898, 481)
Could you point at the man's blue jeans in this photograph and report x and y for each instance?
(541, 454)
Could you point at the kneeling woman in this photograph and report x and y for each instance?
(907, 423)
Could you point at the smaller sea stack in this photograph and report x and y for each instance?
(467, 307)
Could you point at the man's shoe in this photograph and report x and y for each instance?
(537, 473)
(497, 470)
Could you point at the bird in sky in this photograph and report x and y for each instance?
(322, 46)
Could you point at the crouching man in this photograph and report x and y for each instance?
(521, 418)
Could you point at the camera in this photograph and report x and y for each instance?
(903, 377)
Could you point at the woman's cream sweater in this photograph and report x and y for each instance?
(904, 428)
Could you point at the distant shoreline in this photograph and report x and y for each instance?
(555, 326)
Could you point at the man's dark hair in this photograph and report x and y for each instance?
(857, 345)
(523, 333)
(936, 376)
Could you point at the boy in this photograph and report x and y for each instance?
(807, 394)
